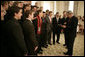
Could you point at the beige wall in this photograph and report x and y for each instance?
(63, 6)
(80, 8)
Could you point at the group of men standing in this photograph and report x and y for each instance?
(24, 31)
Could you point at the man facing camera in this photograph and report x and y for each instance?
(56, 27)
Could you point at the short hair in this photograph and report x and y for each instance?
(47, 10)
(32, 7)
(4, 2)
(69, 12)
(57, 12)
(13, 10)
(64, 11)
(39, 11)
(28, 12)
(43, 12)
(50, 12)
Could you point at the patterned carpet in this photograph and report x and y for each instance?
(58, 49)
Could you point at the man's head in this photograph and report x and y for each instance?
(40, 13)
(36, 4)
(41, 8)
(47, 12)
(29, 14)
(11, 3)
(50, 13)
(18, 4)
(27, 7)
(69, 14)
(57, 14)
(64, 14)
(34, 8)
(44, 14)
(16, 12)
(4, 4)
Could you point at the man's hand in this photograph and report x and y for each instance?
(36, 48)
(65, 23)
(34, 18)
(63, 26)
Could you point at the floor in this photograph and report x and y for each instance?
(58, 49)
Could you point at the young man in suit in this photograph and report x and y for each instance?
(29, 33)
(38, 29)
(64, 22)
(71, 28)
(56, 27)
(15, 39)
(49, 27)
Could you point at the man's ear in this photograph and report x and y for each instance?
(15, 14)
(29, 15)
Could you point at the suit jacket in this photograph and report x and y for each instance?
(29, 35)
(15, 39)
(49, 25)
(72, 26)
(64, 20)
(56, 25)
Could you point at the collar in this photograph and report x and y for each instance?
(57, 17)
(29, 19)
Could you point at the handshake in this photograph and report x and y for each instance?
(63, 26)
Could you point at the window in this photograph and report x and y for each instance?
(46, 6)
(54, 7)
(33, 2)
(71, 5)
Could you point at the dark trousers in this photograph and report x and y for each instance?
(66, 37)
(39, 39)
(44, 39)
(49, 37)
(58, 37)
(70, 44)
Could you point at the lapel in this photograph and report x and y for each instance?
(48, 19)
(58, 20)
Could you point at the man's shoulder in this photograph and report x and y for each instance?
(74, 18)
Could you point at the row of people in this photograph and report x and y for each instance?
(27, 29)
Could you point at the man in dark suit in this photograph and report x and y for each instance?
(15, 39)
(64, 22)
(49, 26)
(37, 22)
(29, 33)
(44, 31)
(71, 28)
(56, 27)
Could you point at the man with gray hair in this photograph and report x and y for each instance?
(71, 27)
